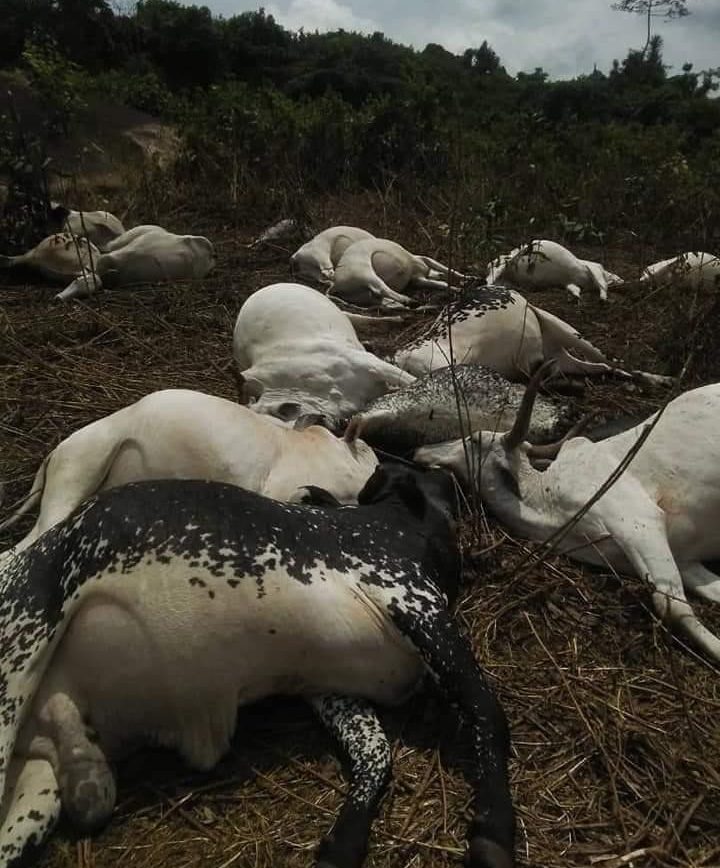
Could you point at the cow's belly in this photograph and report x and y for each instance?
(167, 655)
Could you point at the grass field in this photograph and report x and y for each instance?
(616, 742)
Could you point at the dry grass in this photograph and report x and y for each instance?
(615, 735)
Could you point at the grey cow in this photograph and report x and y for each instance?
(157, 608)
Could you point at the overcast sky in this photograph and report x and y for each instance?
(565, 37)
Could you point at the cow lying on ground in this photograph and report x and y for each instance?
(58, 257)
(316, 260)
(545, 264)
(377, 270)
(99, 227)
(497, 327)
(177, 433)
(145, 254)
(297, 353)
(157, 608)
(688, 271)
(449, 403)
(659, 519)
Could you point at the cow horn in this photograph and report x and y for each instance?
(248, 387)
(354, 429)
(518, 433)
(550, 450)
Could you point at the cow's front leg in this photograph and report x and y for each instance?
(451, 662)
(355, 726)
(30, 810)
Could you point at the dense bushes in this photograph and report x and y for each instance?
(268, 117)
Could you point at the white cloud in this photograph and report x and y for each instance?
(320, 15)
(565, 38)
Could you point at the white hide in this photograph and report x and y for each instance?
(543, 264)
(660, 519)
(694, 270)
(145, 254)
(298, 353)
(316, 260)
(497, 327)
(181, 434)
(57, 257)
(99, 227)
(376, 269)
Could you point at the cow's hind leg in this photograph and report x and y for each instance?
(451, 662)
(30, 810)
(356, 728)
(701, 581)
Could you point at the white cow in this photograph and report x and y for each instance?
(99, 227)
(659, 519)
(376, 270)
(58, 257)
(692, 270)
(316, 260)
(145, 254)
(544, 264)
(497, 327)
(184, 434)
(296, 353)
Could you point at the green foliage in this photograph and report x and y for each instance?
(58, 82)
(268, 117)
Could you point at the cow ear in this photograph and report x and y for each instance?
(249, 389)
(374, 485)
(288, 410)
(308, 419)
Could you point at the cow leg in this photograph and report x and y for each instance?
(574, 290)
(428, 283)
(30, 810)
(566, 363)
(451, 662)
(355, 726)
(701, 581)
(379, 288)
(434, 265)
(87, 785)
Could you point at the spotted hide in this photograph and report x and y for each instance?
(156, 608)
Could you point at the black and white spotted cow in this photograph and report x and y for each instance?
(157, 608)
(499, 328)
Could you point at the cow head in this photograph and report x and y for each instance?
(288, 405)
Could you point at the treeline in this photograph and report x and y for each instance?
(269, 116)
(163, 45)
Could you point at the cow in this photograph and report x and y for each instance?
(178, 433)
(57, 258)
(297, 353)
(448, 403)
(543, 264)
(376, 270)
(145, 254)
(99, 227)
(157, 608)
(659, 518)
(692, 270)
(317, 258)
(497, 327)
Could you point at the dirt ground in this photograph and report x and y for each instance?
(616, 742)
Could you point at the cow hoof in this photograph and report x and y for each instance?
(484, 853)
(88, 794)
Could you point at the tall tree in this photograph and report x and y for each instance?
(666, 9)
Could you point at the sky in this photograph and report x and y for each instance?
(565, 37)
